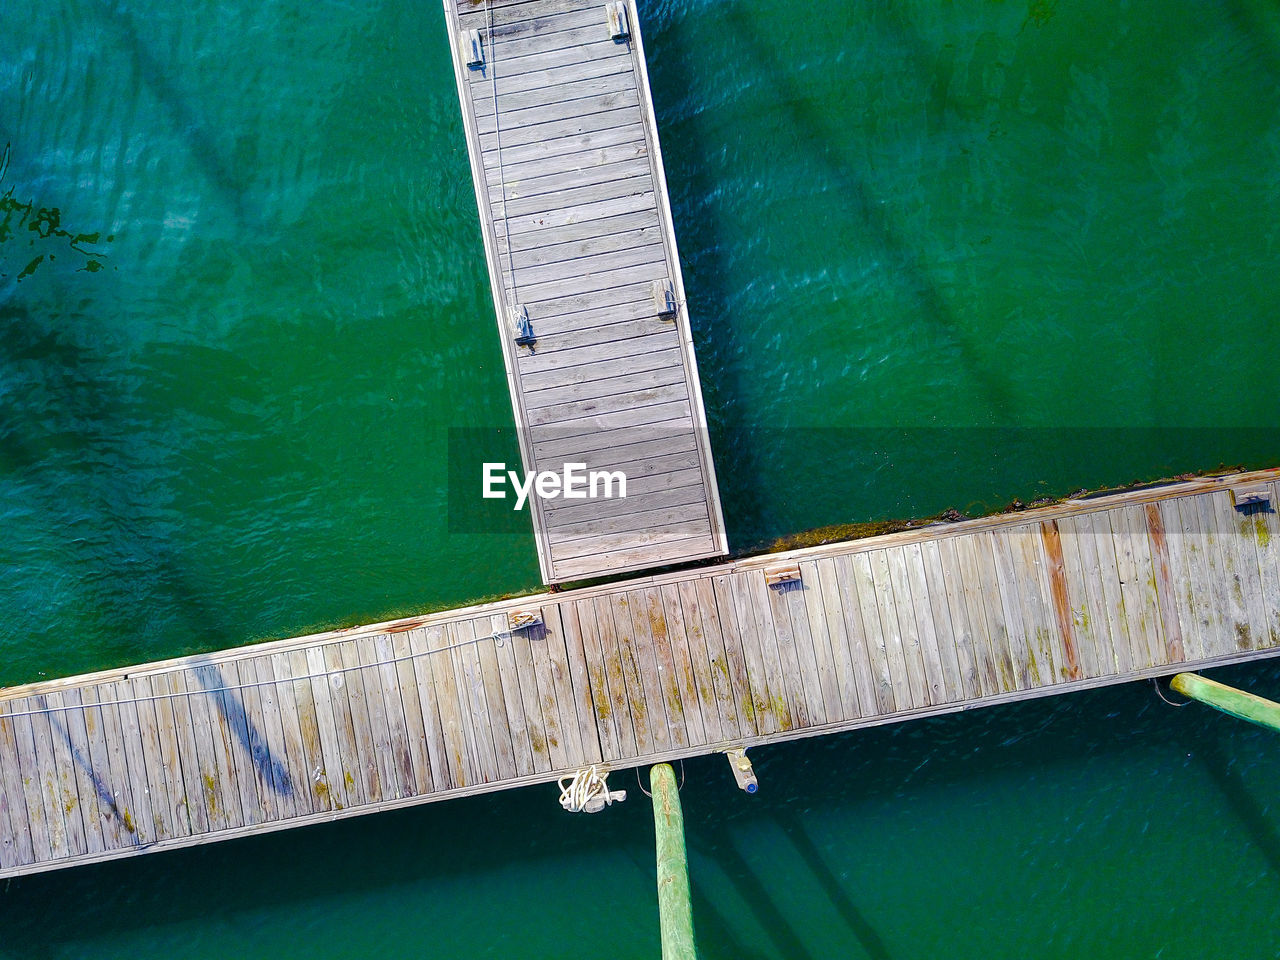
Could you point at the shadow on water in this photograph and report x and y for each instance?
(1252, 815)
(83, 419)
(206, 147)
(717, 844)
(734, 437)
(814, 125)
(853, 918)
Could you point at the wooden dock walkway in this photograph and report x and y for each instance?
(929, 621)
(578, 236)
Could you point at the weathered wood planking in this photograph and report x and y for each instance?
(577, 229)
(928, 621)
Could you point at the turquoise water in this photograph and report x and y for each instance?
(937, 256)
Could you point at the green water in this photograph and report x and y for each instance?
(937, 255)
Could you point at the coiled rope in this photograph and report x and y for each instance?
(587, 792)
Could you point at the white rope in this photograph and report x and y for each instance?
(223, 689)
(587, 792)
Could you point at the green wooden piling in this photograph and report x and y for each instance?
(1237, 703)
(675, 907)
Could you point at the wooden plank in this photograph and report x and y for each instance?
(491, 680)
(566, 87)
(659, 525)
(654, 344)
(619, 690)
(362, 692)
(18, 847)
(566, 64)
(107, 695)
(1046, 657)
(540, 640)
(788, 601)
(1176, 582)
(773, 627)
(853, 674)
(899, 597)
(953, 672)
(1167, 603)
(426, 709)
(87, 722)
(242, 740)
(531, 699)
(459, 756)
(756, 702)
(567, 511)
(1267, 540)
(179, 719)
(408, 755)
(858, 578)
(512, 698)
(920, 605)
(471, 694)
(269, 753)
(555, 650)
(1137, 588)
(1230, 620)
(46, 839)
(1004, 590)
(722, 627)
(684, 649)
(655, 627)
(1209, 609)
(591, 684)
(967, 636)
(183, 795)
(650, 677)
(571, 129)
(605, 386)
(149, 813)
(970, 578)
(886, 610)
(212, 798)
(302, 751)
(1069, 619)
(334, 782)
(987, 593)
(584, 285)
(1100, 542)
(1091, 625)
(42, 768)
(354, 779)
(363, 687)
(254, 745)
(485, 659)
(589, 747)
(82, 833)
(706, 661)
(1246, 584)
(549, 243)
(575, 242)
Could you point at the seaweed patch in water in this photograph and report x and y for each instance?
(43, 224)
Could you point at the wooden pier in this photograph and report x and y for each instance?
(577, 232)
(933, 620)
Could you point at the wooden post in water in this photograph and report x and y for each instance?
(1237, 703)
(675, 909)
